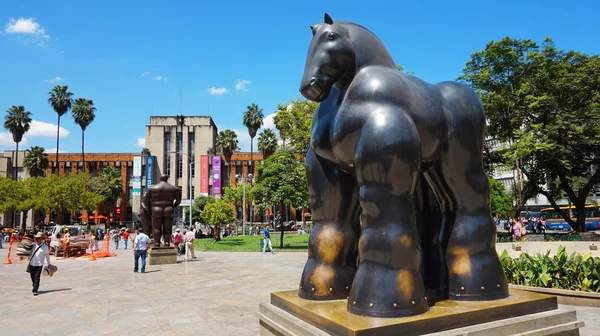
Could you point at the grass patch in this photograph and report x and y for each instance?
(292, 242)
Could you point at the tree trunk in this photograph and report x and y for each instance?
(580, 207)
(82, 150)
(24, 221)
(281, 226)
(216, 234)
(16, 163)
(57, 142)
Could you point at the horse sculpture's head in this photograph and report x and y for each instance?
(330, 56)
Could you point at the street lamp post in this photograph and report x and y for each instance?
(244, 201)
(189, 182)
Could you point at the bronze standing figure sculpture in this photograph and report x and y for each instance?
(405, 155)
(161, 198)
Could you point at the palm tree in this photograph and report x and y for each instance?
(267, 142)
(227, 142)
(83, 114)
(61, 101)
(253, 120)
(17, 121)
(36, 161)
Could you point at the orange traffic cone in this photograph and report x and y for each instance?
(92, 256)
(7, 260)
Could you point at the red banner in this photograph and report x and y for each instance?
(204, 175)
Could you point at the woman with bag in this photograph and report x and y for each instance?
(36, 261)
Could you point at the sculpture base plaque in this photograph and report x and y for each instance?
(521, 313)
(162, 255)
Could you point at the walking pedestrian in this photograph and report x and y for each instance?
(126, 238)
(267, 240)
(177, 240)
(36, 261)
(116, 238)
(189, 244)
(140, 244)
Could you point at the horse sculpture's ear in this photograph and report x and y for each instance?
(328, 19)
(313, 31)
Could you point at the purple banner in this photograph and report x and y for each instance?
(216, 176)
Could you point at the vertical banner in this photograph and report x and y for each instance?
(150, 163)
(137, 176)
(204, 175)
(216, 175)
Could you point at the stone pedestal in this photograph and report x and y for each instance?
(522, 313)
(162, 255)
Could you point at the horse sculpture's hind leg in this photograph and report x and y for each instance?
(388, 282)
(474, 269)
(331, 263)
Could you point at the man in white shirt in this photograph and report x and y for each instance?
(140, 244)
(39, 253)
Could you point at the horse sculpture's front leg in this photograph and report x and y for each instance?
(388, 282)
(331, 264)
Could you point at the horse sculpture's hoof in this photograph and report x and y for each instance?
(391, 293)
(325, 282)
(475, 278)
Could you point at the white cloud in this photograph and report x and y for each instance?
(55, 79)
(215, 91)
(159, 78)
(240, 84)
(53, 150)
(243, 138)
(145, 73)
(28, 27)
(44, 129)
(141, 142)
(268, 121)
(6, 139)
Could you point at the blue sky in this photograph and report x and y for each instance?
(132, 58)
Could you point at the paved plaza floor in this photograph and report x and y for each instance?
(216, 294)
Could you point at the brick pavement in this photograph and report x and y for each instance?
(218, 294)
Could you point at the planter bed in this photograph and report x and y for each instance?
(566, 297)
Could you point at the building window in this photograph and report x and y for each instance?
(191, 153)
(129, 193)
(167, 151)
(129, 172)
(238, 168)
(178, 155)
(193, 192)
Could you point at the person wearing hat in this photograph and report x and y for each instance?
(177, 240)
(40, 252)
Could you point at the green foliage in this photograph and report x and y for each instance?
(253, 119)
(227, 143)
(198, 206)
(234, 195)
(216, 214)
(501, 202)
(293, 121)
(36, 161)
(267, 142)
(544, 103)
(83, 112)
(17, 121)
(108, 184)
(563, 271)
(401, 69)
(281, 180)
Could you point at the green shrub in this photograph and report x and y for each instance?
(574, 272)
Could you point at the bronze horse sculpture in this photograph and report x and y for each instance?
(396, 178)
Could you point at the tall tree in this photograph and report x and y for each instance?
(227, 142)
(17, 121)
(199, 203)
(109, 184)
(267, 142)
(281, 180)
(61, 101)
(295, 120)
(253, 120)
(36, 161)
(83, 113)
(217, 214)
(545, 104)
